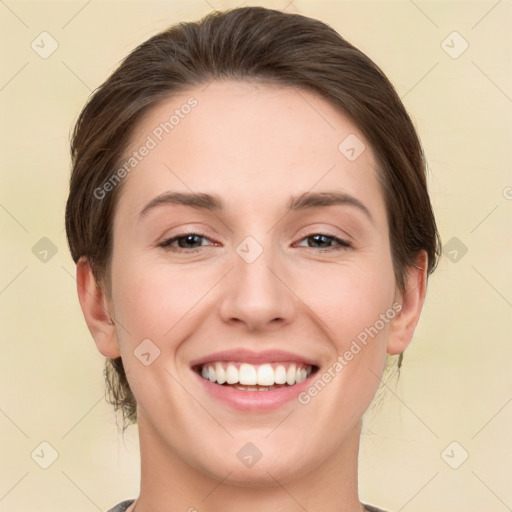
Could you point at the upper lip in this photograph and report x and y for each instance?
(252, 357)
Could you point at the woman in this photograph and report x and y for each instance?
(249, 216)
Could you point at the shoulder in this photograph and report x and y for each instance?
(121, 507)
(370, 508)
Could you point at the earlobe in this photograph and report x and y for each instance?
(95, 307)
(411, 299)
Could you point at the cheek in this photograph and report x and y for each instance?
(159, 309)
(348, 298)
(355, 306)
(152, 299)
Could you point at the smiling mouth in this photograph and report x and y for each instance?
(250, 377)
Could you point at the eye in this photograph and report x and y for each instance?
(186, 242)
(192, 242)
(325, 242)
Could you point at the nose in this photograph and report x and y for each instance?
(258, 294)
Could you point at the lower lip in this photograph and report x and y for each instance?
(254, 401)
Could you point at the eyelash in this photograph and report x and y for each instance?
(166, 244)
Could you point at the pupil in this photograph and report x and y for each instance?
(321, 239)
(188, 240)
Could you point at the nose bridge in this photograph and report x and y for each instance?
(256, 294)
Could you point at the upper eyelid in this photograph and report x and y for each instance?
(167, 241)
(341, 241)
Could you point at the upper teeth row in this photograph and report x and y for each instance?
(251, 375)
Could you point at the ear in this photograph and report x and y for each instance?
(95, 307)
(411, 299)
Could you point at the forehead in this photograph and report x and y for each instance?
(251, 142)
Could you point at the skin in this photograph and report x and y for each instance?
(253, 145)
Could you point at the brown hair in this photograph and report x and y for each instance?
(249, 43)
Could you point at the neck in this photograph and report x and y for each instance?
(169, 483)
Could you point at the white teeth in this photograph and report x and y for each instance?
(280, 374)
(231, 374)
(290, 375)
(255, 377)
(247, 388)
(265, 375)
(247, 375)
(221, 374)
(301, 375)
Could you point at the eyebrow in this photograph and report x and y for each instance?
(199, 201)
(316, 199)
(214, 203)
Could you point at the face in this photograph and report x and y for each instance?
(252, 282)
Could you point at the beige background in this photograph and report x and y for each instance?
(456, 384)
